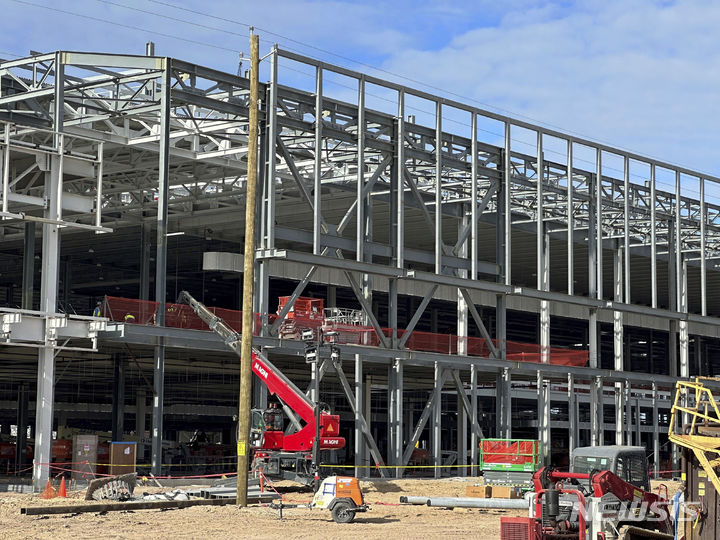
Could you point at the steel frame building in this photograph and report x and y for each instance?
(398, 197)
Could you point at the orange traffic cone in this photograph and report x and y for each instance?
(48, 492)
(62, 492)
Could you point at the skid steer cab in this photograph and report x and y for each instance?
(342, 496)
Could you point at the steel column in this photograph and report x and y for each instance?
(545, 304)
(626, 227)
(628, 413)
(461, 436)
(507, 213)
(46, 355)
(638, 434)
(618, 344)
(683, 335)
(474, 418)
(597, 414)
(28, 277)
(571, 221)
(703, 246)
(573, 435)
(398, 212)
(22, 424)
(161, 267)
(359, 447)
(437, 420)
(656, 431)
(438, 188)
(49, 291)
(543, 399)
(653, 238)
(504, 403)
(145, 255)
(118, 397)
(268, 191)
(598, 226)
(140, 413)
(317, 184)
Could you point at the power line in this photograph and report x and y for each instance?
(128, 26)
(358, 62)
(404, 77)
(231, 21)
(162, 15)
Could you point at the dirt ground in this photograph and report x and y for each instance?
(386, 519)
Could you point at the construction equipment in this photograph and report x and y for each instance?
(695, 427)
(509, 462)
(279, 455)
(701, 430)
(339, 494)
(605, 497)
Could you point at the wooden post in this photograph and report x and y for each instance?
(243, 446)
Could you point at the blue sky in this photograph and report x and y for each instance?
(638, 74)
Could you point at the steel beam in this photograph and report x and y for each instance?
(417, 315)
(478, 322)
(462, 396)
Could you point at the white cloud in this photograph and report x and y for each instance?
(641, 75)
(638, 75)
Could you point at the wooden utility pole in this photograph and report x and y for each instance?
(243, 444)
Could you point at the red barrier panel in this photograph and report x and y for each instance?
(308, 313)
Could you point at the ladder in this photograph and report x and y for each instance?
(701, 430)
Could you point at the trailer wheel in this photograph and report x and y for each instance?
(342, 513)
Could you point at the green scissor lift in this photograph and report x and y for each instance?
(509, 462)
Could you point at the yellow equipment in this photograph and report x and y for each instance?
(701, 430)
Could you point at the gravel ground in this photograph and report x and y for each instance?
(386, 519)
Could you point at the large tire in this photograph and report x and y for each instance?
(342, 512)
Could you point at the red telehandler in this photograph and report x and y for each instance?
(280, 455)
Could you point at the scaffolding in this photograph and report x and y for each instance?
(387, 192)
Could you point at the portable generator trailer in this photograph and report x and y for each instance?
(341, 495)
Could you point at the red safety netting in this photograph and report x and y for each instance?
(513, 452)
(176, 315)
(134, 311)
(307, 313)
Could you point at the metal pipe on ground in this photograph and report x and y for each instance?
(415, 500)
(468, 502)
